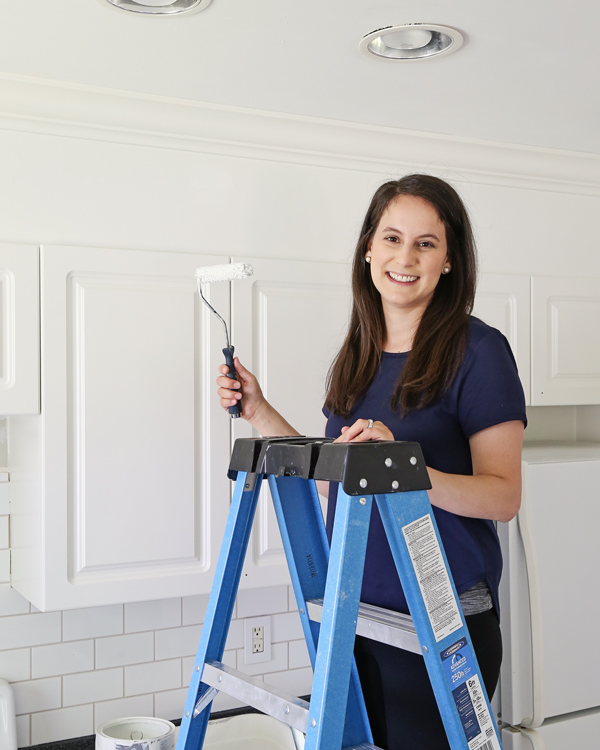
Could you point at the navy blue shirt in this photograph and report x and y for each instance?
(486, 391)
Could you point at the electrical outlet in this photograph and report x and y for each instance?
(257, 639)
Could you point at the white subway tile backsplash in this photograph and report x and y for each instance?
(37, 695)
(188, 664)
(235, 637)
(298, 654)
(11, 602)
(286, 627)
(74, 670)
(92, 622)
(3, 532)
(29, 630)
(294, 681)
(152, 677)
(271, 601)
(165, 613)
(4, 500)
(24, 730)
(139, 705)
(62, 658)
(194, 609)
(4, 566)
(278, 661)
(91, 687)
(177, 642)
(64, 723)
(15, 665)
(170, 704)
(121, 650)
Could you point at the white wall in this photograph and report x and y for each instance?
(97, 169)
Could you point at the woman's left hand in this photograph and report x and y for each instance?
(363, 430)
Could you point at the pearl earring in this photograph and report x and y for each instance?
(446, 269)
(368, 258)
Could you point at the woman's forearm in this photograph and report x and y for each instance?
(268, 422)
(483, 496)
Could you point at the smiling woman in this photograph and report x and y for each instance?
(416, 366)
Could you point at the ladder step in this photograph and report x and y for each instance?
(283, 706)
(364, 746)
(378, 624)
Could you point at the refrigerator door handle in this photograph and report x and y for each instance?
(535, 608)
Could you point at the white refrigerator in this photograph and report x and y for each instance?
(549, 695)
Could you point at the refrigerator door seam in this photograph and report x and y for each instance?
(535, 608)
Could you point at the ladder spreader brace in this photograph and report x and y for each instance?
(327, 584)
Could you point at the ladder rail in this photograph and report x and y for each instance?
(304, 538)
(220, 605)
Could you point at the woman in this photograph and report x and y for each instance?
(416, 366)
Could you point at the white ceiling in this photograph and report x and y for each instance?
(528, 72)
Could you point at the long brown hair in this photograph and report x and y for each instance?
(440, 339)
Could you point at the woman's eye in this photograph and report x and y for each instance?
(391, 238)
(425, 243)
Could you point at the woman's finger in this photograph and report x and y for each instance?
(364, 430)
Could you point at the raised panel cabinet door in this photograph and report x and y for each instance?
(503, 301)
(288, 322)
(565, 341)
(19, 330)
(133, 488)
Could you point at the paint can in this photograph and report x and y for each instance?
(136, 733)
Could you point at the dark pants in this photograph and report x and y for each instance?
(400, 702)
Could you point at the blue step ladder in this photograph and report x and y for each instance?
(327, 584)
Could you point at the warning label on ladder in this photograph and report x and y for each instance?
(433, 578)
(469, 698)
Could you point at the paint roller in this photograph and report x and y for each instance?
(211, 275)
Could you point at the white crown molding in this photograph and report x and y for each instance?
(75, 111)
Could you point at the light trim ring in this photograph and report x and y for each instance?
(411, 41)
(158, 7)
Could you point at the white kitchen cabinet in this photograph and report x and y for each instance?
(566, 341)
(19, 330)
(289, 320)
(503, 301)
(119, 490)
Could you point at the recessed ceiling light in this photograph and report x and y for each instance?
(411, 41)
(159, 7)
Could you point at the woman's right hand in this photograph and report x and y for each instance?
(246, 388)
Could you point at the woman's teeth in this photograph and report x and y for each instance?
(400, 277)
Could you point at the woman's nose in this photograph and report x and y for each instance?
(405, 255)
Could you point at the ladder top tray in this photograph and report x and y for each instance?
(376, 467)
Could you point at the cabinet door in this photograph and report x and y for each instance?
(19, 330)
(503, 301)
(288, 320)
(565, 348)
(133, 493)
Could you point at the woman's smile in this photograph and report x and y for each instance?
(401, 278)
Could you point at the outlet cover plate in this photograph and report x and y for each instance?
(253, 622)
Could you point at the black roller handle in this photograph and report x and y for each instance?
(234, 411)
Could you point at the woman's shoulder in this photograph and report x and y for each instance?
(482, 336)
(478, 330)
(487, 347)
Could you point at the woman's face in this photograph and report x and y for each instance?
(408, 253)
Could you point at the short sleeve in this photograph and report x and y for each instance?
(489, 391)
